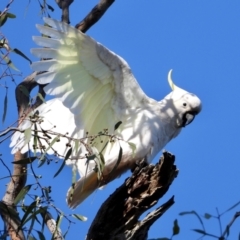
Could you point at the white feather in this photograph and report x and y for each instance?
(94, 89)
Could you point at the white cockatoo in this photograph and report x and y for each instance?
(94, 90)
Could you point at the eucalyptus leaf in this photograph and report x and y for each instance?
(79, 217)
(24, 90)
(25, 160)
(117, 125)
(41, 97)
(20, 53)
(176, 228)
(22, 193)
(5, 104)
(50, 145)
(68, 154)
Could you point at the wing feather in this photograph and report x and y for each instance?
(95, 85)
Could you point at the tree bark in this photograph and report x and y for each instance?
(118, 217)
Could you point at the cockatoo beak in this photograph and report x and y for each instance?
(188, 118)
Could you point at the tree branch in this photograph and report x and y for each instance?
(96, 13)
(226, 231)
(19, 175)
(118, 217)
(52, 226)
(64, 5)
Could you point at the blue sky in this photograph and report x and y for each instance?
(200, 41)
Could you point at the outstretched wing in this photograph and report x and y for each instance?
(95, 84)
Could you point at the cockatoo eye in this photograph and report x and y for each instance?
(184, 104)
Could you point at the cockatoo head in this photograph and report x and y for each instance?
(185, 105)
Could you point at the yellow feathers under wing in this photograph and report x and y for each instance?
(95, 84)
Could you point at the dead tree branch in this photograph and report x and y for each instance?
(118, 217)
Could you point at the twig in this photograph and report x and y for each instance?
(236, 215)
(10, 129)
(219, 221)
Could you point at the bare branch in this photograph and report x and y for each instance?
(10, 129)
(95, 14)
(236, 215)
(118, 216)
(64, 5)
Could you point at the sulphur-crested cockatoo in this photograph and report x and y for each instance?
(94, 90)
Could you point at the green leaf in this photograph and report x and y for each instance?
(3, 19)
(11, 15)
(118, 161)
(50, 7)
(74, 175)
(228, 230)
(24, 90)
(205, 233)
(41, 97)
(25, 160)
(176, 228)
(133, 147)
(91, 157)
(35, 140)
(199, 231)
(35, 213)
(31, 225)
(50, 145)
(207, 215)
(58, 223)
(117, 125)
(27, 135)
(27, 213)
(102, 162)
(76, 146)
(5, 103)
(69, 152)
(79, 217)
(22, 194)
(65, 234)
(40, 235)
(59, 220)
(9, 62)
(17, 51)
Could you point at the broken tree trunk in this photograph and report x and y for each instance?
(118, 217)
